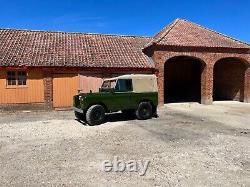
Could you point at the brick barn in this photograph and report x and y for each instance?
(45, 69)
(198, 64)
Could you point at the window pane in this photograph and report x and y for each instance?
(109, 84)
(22, 77)
(129, 85)
(11, 78)
(9, 82)
(124, 85)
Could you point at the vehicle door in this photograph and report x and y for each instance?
(122, 94)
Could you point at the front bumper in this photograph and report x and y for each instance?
(78, 110)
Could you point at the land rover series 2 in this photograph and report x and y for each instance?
(134, 94)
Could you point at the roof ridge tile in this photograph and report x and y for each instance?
(168, 29)
(83, 33)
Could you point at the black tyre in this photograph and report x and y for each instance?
(129, 112)
(144, 111)
(95, 115)
(80, 116)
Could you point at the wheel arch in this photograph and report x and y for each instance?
(98, 103)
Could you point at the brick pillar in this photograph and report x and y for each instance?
(159, 65)
(161, 86)
(207, 84)
(48, 90)
(247, 86)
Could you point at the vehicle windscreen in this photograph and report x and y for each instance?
(107, 85)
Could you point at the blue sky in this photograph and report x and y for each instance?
(131, 17)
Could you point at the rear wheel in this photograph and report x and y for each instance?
(144, 111)
(95, 115)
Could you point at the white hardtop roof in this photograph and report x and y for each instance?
(141, 82)
(132, 76)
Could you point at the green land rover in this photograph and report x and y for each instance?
(132, 94)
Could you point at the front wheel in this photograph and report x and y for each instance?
(144, 111)
(95, 115)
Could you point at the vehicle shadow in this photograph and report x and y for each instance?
(114, 117)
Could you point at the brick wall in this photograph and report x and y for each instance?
(247, 86)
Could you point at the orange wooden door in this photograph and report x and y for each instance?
(65, 86)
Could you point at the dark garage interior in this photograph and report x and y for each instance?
(182, 80)
(229, 75)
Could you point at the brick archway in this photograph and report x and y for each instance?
(182, 79)
(230, 81)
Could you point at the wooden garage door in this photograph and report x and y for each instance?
(65, 86)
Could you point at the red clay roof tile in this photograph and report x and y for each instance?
(42, 48)
(185, 33)
(61, 49)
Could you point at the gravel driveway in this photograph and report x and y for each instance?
(188, 145)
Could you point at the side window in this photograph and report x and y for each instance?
(16, 78)
(124, 85)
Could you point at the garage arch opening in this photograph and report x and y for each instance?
(182, 79)
(229, 79)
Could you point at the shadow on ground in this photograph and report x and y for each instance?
(114, 117)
